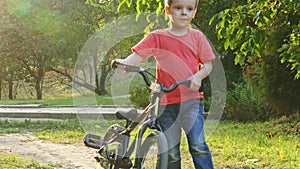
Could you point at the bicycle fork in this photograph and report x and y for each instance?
(152, 124)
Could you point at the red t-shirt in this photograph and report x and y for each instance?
(178, 58)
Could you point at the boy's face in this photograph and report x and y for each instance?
(181, 12)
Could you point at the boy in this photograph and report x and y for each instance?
(179, 51)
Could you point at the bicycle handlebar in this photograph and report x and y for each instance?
(131, 68)
(187, 83)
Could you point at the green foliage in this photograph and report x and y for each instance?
(38, 35)
(245, 29)
(142, 5)
(139, 94)
(264, 37)
(244, 104)
(290, 51)
(274, 83)
(272, 79)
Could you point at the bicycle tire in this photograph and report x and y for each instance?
(157, 156)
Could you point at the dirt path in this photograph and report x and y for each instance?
(69, 156)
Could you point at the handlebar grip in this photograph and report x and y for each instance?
(114, 64)
(188, 84)
(128, 68)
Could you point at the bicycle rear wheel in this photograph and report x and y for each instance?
(154, 151)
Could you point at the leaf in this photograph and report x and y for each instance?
(160, 8)
(281, 155)
(283, 48)
(239, 59)
(227, 43)
(213, 19)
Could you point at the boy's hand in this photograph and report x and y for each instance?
(195, 82)
(196, 79)
(119, 66)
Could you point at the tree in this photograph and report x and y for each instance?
(264, 36)
(246, 30)
(82, 25)
(10, 72)
(32, 24)
(108, 39)
(40, 36)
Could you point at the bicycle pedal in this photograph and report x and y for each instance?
(93, 141)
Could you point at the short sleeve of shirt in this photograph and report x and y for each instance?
(145, 47)
(205, 51)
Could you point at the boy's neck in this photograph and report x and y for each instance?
(178, 31)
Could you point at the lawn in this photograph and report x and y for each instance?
(8, 161)
(86, 100)
(272, 144)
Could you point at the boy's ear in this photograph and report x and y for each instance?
(167, 9)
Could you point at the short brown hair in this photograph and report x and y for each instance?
(169, 2)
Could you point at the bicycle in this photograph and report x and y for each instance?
(117, 149)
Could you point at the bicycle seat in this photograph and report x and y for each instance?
(128, 114)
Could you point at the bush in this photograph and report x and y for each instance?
(243, 104)
(272, 79)
(275, 84)
(139, 94)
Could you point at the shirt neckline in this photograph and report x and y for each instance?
(187, 32)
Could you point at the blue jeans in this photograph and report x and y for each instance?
(189, 117)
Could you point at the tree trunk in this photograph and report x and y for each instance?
(38, 90)
(104, 73)
(10, 90)
(0, 88)
(39, 83)
(99, 91)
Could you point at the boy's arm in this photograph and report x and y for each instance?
(132, 59)
(197, 78)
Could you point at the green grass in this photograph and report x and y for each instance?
(70, 131)
(272, 144)
(55, 131)
(86, 100)
(256, 145)
(40, 102)
(9, 161)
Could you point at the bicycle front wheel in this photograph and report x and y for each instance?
(154, 151)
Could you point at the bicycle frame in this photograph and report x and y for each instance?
(125, 149)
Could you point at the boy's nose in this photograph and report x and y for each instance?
(183, 11)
